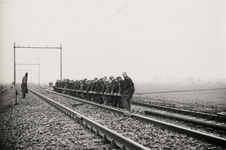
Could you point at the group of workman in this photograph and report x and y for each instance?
(116, 92)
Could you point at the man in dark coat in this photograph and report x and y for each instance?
(56, 86)
(107, 90)
(127, 91)
(87, 89)
(24, 85)
(92, 90)
(98, 90)
(116, 88)
(82, 88)
(70, 87)
(77, 88)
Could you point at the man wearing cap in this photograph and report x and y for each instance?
(127, 92)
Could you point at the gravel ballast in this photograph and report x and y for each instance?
(34, 124)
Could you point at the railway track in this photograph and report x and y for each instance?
(116, 139)
(209, 122)
(192, 121)
(198, 135)
(182, 111)
(202, 120)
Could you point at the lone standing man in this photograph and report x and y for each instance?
(127, 92)
(24, 85)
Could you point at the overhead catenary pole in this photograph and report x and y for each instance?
(38, 70)
(60, 48)
(14, 47)
(39, 73)
(60, 61)
(14, 64)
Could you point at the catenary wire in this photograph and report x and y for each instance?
(101, 23)
(88, 20)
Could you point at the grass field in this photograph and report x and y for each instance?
(145, 88)
(212, 100)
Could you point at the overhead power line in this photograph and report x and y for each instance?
(88, 19)
(48, 21)
(102, 22)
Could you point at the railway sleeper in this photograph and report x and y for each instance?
(86, 136)
(93, 141)
(74, 105)
(94, 147)
(113, 145)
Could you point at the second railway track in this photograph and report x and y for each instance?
(199, 135)
(204, 120)
(182, 111)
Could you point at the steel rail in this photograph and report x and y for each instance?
(110, 135)
(182, 130)
(187, 112)
(85, 92)
(202, 123)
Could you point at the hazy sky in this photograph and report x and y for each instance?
(145, 38)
